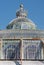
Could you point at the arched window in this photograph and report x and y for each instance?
(32, 49)
(11, 49)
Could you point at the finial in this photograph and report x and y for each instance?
(21, 6)
(21, 12)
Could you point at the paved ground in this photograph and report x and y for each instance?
(23, 63)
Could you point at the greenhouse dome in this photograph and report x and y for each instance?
(21, 22)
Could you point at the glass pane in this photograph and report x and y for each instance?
(31, 49)
(11, 49)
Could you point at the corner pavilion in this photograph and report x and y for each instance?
(21, 40)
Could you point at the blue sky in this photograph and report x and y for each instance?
(35, 9)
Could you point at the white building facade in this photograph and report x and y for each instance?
(21, 40)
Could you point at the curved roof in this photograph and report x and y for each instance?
(21, 22)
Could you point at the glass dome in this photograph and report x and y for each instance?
(21, 22)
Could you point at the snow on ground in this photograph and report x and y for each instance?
(23, 63)
(7, 63)
(32, 63)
